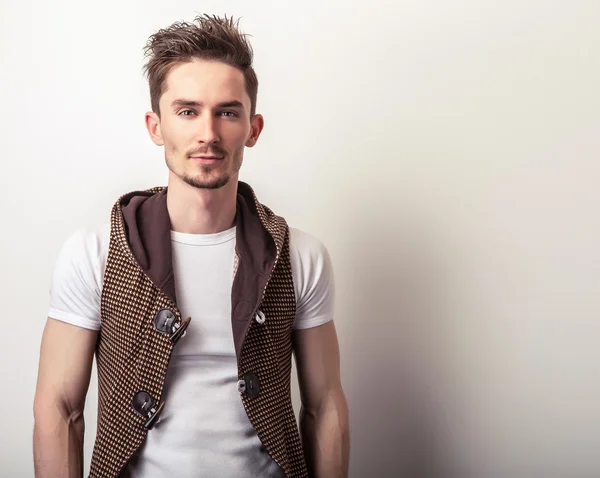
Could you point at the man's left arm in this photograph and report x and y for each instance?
(324, 412)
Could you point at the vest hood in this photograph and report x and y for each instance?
(259, 239)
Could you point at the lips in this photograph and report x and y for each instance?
(208, 157)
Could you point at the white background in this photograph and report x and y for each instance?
(447, 154)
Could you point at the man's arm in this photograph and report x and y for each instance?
(324, 413)
(66, 357)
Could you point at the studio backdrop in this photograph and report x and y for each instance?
(445, 151)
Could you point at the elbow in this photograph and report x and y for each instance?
(343, 412)
(50, 412)
(333, 406)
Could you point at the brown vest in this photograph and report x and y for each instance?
(141, 325)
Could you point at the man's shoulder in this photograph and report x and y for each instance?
(313, 275)
(310, 258)
(90, 241)
(306, 244)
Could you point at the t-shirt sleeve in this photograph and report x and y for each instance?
(77, 280)
(313, 276)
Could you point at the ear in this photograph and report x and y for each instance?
(257, 124)
(153, 127)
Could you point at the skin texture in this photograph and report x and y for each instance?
(204, 127)
(66, 356)
(202, 194)
(324, 426)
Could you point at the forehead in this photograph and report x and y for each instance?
(207, 81)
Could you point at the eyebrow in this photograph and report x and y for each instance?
(196, 104)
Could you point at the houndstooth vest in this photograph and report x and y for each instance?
(141, 325)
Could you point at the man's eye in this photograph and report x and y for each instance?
(184, 112)
(228, 113)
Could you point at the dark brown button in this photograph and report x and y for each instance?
(165, 320)
(144, 405)
(252, 385)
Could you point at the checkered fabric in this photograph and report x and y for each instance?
(268, 350)
(133, 356)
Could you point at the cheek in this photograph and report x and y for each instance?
(237, 132)
(243, 136)
(175, 142)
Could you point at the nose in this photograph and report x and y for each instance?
(208, 131)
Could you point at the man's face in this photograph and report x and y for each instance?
(204, 123)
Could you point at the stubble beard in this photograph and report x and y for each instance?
(207, 179)
(206, 183)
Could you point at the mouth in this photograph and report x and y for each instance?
(207, 160)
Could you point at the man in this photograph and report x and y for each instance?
(192, 300)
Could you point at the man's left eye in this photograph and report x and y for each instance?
(227, 113)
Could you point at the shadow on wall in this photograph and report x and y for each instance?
(390, 358)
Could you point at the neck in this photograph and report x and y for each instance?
(201, 211)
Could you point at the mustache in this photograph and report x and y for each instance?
(213, 150)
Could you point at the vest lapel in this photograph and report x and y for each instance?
(148, 230)
(257, 253)
(258, 243)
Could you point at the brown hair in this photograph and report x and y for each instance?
(208, 38)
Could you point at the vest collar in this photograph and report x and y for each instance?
(144, 232)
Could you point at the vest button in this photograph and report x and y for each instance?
(165, 320)
(249, 385)
(144, 405)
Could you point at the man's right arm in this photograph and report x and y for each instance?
(66, 357)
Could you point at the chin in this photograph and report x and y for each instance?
(203, 182)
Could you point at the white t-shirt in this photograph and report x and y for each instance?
(204, 430)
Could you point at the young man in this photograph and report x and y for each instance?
(192, 300)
